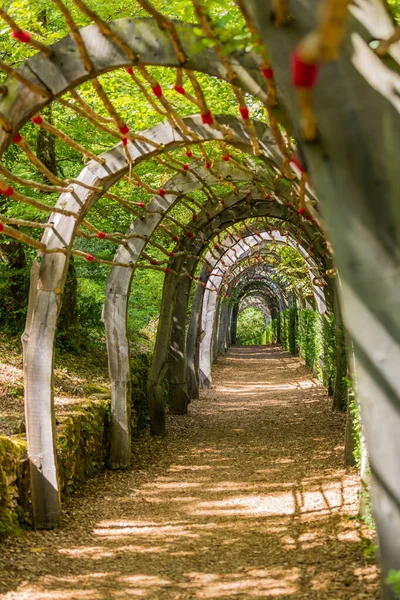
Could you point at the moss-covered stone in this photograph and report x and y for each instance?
(83, 440)
(82, 443)
(13, 474)
(82, 450)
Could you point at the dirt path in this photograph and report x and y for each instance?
(245, 498)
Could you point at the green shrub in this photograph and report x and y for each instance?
(250, 327)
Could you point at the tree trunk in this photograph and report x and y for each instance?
(222, 329)
(192, 341)
(159, 364)
(16, 285)
(178, 398)
(68, 334)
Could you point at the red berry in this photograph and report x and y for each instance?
(207, 166)
(185, 167)
(129, 70)
(179, 89)
(124, 141)
(167, 270)
(244, 111)
(157, 91)
(1, 226)
(123, 129)
(38, 120)
(101, 234)
(301, 210)
(189, 154)
(7, 192)
(161, 192)
(268, 73)
(21, 36)
(207, 119)
(89, 257)
(175, 238)
(304, 75)
(226, 157)
(154, 261)
(190, 234)
(296, 161)
(142, 204)
(268, 196)
(17, 138)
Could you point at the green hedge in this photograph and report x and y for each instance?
(312, 336)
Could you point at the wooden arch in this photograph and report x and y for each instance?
(48, 278)
(53, 75)
(210, 301)
(364, 231)
(175, 298)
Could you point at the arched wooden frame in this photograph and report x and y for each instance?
(148, 42)
(226, 328)
(254, 299)
(169, 304)
(210, 300)
(55, 75)
(369, 268)
(353, 168)
(210, 321)
(48, 279)
(260, 285)
(120, 281)
(196, 334)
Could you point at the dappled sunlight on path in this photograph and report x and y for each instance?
(246, 498)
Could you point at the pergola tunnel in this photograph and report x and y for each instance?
(195, 193)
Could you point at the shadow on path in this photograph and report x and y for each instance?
(245, 498)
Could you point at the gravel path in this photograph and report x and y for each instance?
(245, 498)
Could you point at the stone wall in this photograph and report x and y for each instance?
(82, 450)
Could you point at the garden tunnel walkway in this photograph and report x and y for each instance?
(246, 497)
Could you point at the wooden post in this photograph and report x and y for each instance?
(353, 163)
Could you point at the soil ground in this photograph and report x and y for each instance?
(246, 497)
(76, 377)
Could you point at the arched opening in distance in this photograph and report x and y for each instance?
(252, 325)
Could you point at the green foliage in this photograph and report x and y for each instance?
(393, 579)
(250, 327)
(289, 330)
(292, 271)
(395, 8)
(355, 412)
(308, 320)
(273, 331)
